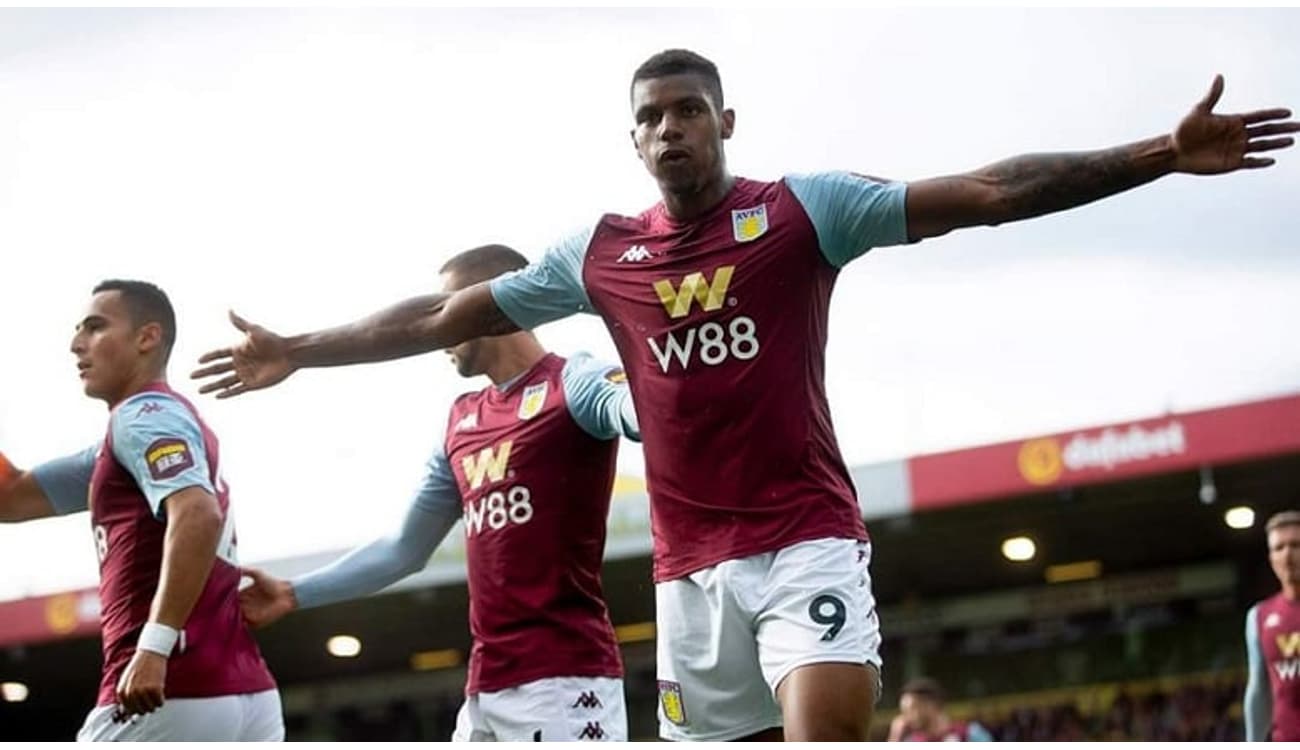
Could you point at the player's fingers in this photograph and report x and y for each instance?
(1255, 162)
(237, 390)
(219, 385)
(238, 322)
(226, 365)
(222, 354)
(1212, 98)
(1269, 144)
(1272, 128)
(1260, 115)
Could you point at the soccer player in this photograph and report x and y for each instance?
(530, 460)
(717, 300)
(921, 717)
(1272, 702)
(179, 662)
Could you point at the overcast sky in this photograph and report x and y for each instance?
(306, 167)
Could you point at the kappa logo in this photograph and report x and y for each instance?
(588, 699)
(592, 731)
(1272, 620)
(467, 422)
(150, 407)
(634, 254)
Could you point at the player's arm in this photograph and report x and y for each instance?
(53, 488)
(544, 291)
(1257, 704)
(1027, 186)
(432, 513)
(599, 399)
(160, 444)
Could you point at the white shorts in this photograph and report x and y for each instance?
(550, 710)
(251, 717)
(729, 634)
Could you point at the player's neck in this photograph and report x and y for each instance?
(514, 361)
(1291, 592)
(691, 205)
(138, 382)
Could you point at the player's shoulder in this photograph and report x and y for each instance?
(583, 365)
(151, 406)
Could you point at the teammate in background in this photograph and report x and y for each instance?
(179, 662)
(717, 299)
(921, 717)
(1272, 701)
(529, 461)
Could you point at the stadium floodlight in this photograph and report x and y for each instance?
(343, 646)
(1240, 517)
(13, 692)
(1019, 548)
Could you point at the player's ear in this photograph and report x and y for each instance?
(148, 337)
(728, 123)
(632, 135)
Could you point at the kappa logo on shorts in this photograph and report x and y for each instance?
(592, 731)
(670, 699)
(588, 699)
(168, 457)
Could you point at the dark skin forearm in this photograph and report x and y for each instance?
(415, 326)
(392, 333)
(1023, 187)
(1037, 184)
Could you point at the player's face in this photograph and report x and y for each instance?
(469, 357)
(1284, 553)
(679, 132)
(110, 350)
(916, 711)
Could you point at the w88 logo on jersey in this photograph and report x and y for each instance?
(709, 344)
(499, 509)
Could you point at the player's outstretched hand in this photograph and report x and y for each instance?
(267, 599)
(140, 689)
(259, 361)
(1206, 143)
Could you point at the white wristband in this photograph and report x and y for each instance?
(158, 638)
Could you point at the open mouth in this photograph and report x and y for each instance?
(674, 156)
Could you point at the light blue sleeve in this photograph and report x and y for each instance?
(549, 289)
(433, 511)
(852, 213)
(159, 443)
(66, 481)
(975, 732)
(1257, 705)
(598, 398)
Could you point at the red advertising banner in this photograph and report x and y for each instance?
(47, 618)
(1150, 446)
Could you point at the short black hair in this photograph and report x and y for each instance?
(672, 62)
(924, 687)
(483, 263)
(145, 303)
(1285, 518)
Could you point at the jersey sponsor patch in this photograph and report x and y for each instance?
(533, 401)
(670, 699)
(748, 224)
(168, 457)
(616, 375)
